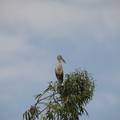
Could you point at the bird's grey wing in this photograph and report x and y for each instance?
(59, 77)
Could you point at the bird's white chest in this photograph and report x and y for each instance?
(59, 68)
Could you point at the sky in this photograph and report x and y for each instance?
(33, 32)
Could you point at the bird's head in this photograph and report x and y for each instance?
(60, 59)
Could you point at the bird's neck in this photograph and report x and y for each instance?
(59, 62)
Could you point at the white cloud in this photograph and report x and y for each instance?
(103, 101)
(20, 64)
(10, 44)
(38, 13)
(42, 14)
(63, 19)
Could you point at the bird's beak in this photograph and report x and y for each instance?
(63, 60)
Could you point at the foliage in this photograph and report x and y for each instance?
(64, 101)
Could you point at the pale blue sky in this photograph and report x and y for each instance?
(33, 32)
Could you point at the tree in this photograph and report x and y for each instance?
(64, 101)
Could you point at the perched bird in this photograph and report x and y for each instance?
(59, 69)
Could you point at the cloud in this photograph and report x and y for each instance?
(110, 100)
(25, 71)
(44, 14)
(38, 13)
(10, 44)
(104, 106)
(61, 21)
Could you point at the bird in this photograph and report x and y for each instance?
(59, 69)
